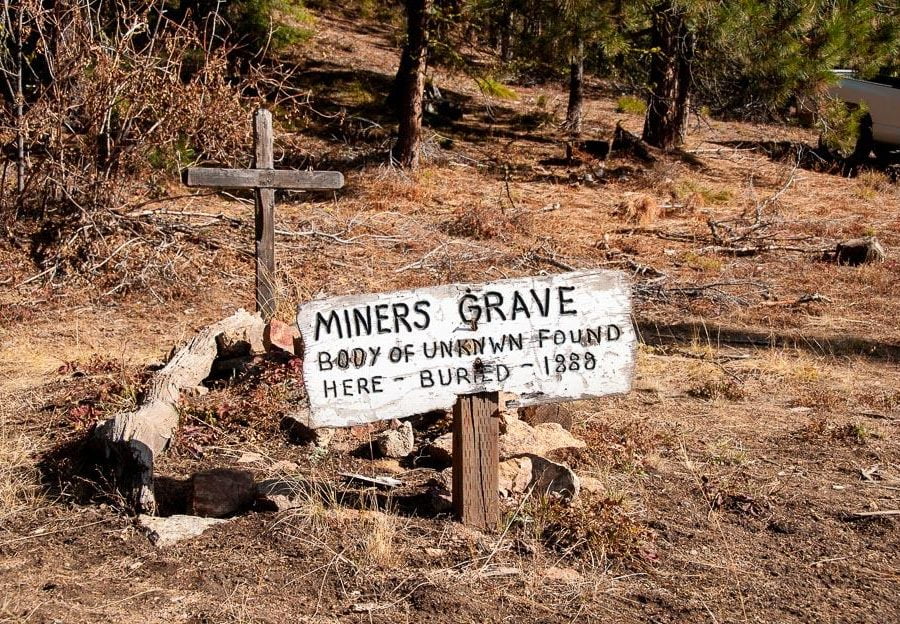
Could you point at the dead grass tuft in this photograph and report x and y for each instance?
(855, 432)
(379, 547)
(594, 528)
(640, 209)
(18, 475)
(483, 222)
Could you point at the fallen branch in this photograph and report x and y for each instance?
(133, 439)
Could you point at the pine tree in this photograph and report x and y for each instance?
(750, 56)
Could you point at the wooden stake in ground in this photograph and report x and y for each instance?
(476, 459)
(264, 179)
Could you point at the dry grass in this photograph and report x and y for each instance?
(18, 474)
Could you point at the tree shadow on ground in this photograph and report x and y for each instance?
(819, 159)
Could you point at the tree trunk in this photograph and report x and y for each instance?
(670, 77)
(131, 441)
(574, 112)
(412, 82)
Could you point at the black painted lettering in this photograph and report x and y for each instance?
(421, 308)
(401, 311)
(519, 305)
(362, 385)
(492, 301)
(613, 332)
(425, 379)
(333, 319)
(374, 352)
(325, 361)
(343, 359)
(380, 317)
(543, 306)
(358, 357)
(502, 372)
(515, 341)
(462, 374)
(429, 354)
(593, 337)
(332, 386)
(559, 337)
(543, 334)
(347, 324)
(348, 387)
(376, 384)
(563, 301)
(362, 320)
(469, 310)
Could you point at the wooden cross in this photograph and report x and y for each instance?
(264, 179)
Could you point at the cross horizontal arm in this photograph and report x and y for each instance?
(264, 178)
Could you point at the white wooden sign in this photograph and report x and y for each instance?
(549, 338)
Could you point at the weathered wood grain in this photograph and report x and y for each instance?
(264, 177)
(476, 460)
(413, 371)
(265, 217)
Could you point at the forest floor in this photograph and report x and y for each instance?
(763, 420)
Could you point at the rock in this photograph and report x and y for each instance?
(547, 413)
(282, 336)
(515, 475)
(249, 458)
(858, 251)
(551, 478)
(241, 342)
(165, 531)
(544, 477)
(396, 443)
(435, 552)
(284, 494)
(221, 492)
(519, 438)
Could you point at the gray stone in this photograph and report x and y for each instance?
(396, 442)
(519, 438)
(165, 531)
(532, 472)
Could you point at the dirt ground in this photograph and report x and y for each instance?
(740, 481)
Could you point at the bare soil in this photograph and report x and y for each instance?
(728, 483)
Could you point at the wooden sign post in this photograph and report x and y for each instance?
(545, 339)
(476, 459)
(264, 179)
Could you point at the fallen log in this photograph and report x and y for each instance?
(131, 440)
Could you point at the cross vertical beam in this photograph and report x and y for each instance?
(265, 217)
(476, 459)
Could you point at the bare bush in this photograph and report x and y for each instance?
(113, 101)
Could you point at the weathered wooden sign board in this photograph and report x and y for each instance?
(546, 339)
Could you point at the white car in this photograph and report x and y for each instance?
(882, 96)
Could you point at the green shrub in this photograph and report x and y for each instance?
(494, 88)
(631, 105)
(276, 24)
(838, 124)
